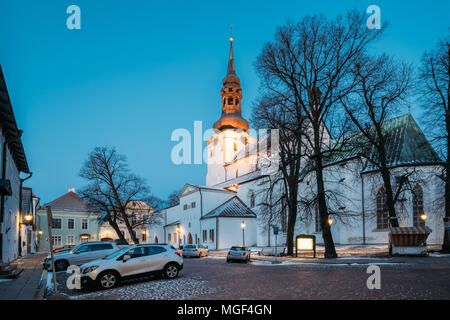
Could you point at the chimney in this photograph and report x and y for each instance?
(72, 190)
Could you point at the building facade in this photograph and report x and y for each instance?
(241, 168)
(13, 162)
(73, 222)
(139, 213)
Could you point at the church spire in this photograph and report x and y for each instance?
(231, 67)
(231, 99)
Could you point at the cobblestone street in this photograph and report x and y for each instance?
(344, 278)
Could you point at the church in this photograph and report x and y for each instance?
(231, 209)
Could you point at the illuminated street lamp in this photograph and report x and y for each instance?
(28, 217)
(330, 221)
(243, 233)
(423, 216)
(40, 232)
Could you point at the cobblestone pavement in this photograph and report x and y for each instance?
(26, 286)
(213, 278)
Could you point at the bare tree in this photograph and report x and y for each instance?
(173, 199)
(382, 85)
(435, 90)
(112, 187)
(307, 70)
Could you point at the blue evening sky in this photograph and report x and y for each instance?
(137, 70)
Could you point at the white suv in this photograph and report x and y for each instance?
(80, 254)
(132, 262)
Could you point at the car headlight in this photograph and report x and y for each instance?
(89, 269)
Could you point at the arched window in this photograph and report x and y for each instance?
(237, 173)
(156, 239)
(169, 236)
(382, 212)
(230, 101)
(418, 206)
(252, 199)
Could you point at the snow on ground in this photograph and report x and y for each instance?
(5, 280)
(284, 263)
(439, 255)
(178, 289)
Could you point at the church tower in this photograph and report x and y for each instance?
(231, 134)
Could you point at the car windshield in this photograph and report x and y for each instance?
(238, 248)
(189, 246)
(117, 254)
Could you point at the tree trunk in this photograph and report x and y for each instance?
(129, 228)
(385, 174)
(293, 189)
(330, 250)
(116, 228)
(446, 243)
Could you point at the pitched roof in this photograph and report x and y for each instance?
(241, 179)
(232, 208)
(70, 202)
(406, 144)
(10, 130)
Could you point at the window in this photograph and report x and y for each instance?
(418, 206)
(169, 238)
(237, 173)
(84, 224)
(57, 240)
(382, 212)
(205, 236)
(144, 236)
(56, 223)
(235, 146)
(102, 246)
(70, 224)
(192, 204)
(174, 238)
(185, 207)
(252, 199)
(211, 235)
(155, 250)
(70, 239)
(230, 101)
(86, 248)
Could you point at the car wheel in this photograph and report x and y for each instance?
(108, 280)
(228, 260)
(61, 265)
(171, 271)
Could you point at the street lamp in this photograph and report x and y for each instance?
(28, 217)
(243, 233)
(40, 232)
(423, 216)
(330, 221)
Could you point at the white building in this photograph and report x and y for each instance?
(213, 217)
(139, 212)
(13, 162)
(240, 167)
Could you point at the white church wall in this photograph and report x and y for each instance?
(230, 232)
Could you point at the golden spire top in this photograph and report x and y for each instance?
(231, 33)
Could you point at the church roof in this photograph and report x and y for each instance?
(233, 208)
(241, 179)
(70, 202)
(406, 145)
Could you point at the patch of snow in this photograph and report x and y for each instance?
(5, 280)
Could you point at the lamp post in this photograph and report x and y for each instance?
(423, 217)
(243, 233)
(330, 221)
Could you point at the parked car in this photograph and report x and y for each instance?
(80, 254)
(195, 250)
(238, 253)
(135, 261)
(121, 243)
(64, 248)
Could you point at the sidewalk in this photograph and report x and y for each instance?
(26, 286)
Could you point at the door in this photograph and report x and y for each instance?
(190, 239)
(137, 263)
(28, 241)
(82, 255)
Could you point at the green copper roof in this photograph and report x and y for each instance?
(406, 145)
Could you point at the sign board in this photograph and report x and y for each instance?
(275, 230)
(305, 242)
